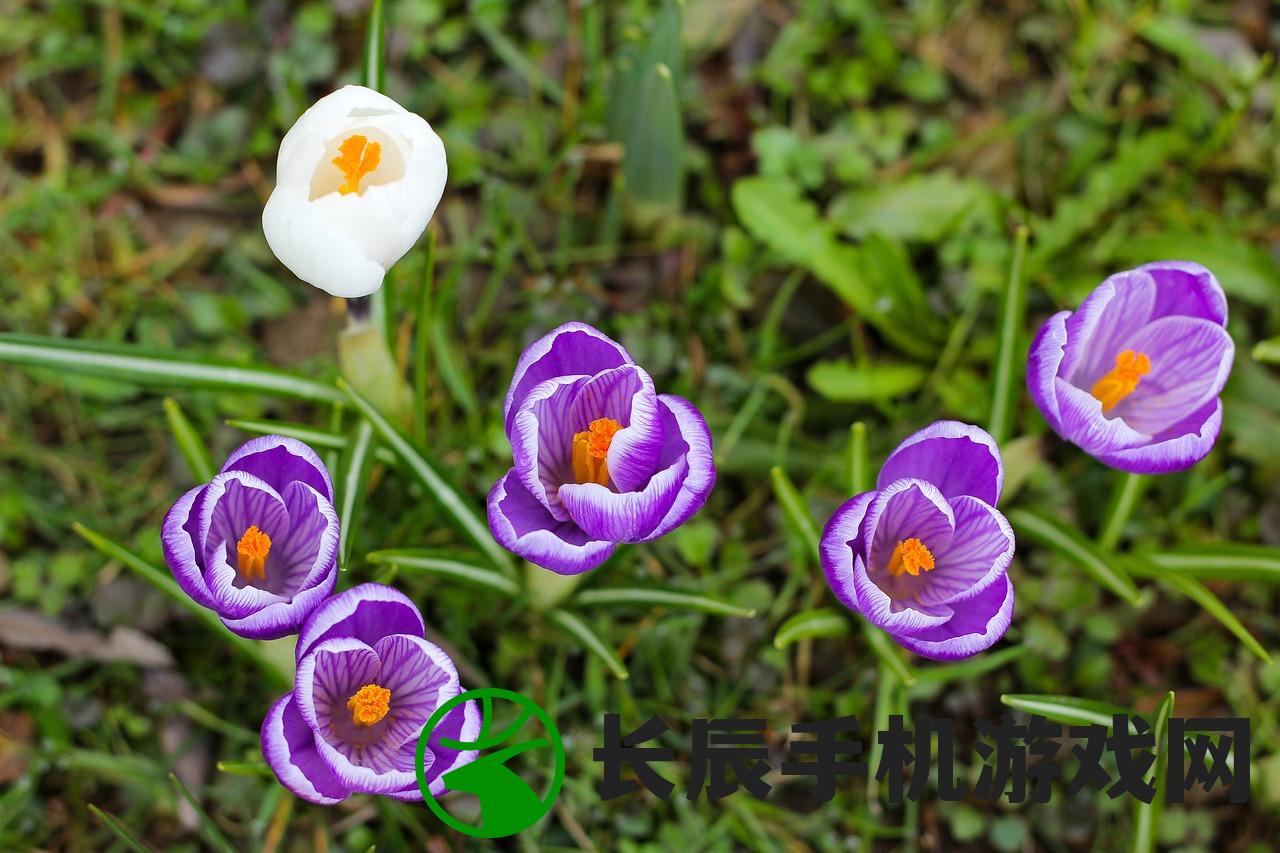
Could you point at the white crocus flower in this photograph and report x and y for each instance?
(357, 179)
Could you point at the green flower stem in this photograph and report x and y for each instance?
(546, 589)
(1123, 500)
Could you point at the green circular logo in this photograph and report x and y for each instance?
(507, 803)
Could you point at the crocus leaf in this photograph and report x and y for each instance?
(427, 472)
(795, 511)
(375, 62)
(1146, 816)
(163, 581)
(446, 564)
(352, 485)
(575, 625)
(641, 597)
(653, 167)
(208, 829)
(1226, 561)
(149, 368)
(889, 653)
(811, 623)
(119, 830)
(1010, 352)
(190, 445)
(1070, 544)
(1067, 710)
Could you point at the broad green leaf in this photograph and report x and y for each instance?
(1067, 710)
(640, 597)
(1070, 544)
(922, 207)
(1226, 561)
(976, 666)
(795, 511)
(427, 472)
(846, 382)
(190, 445)
(209, 830)
(811, 623)
(163, 581)
(1146, 816)
(119, 830)
(1010, 352)
(446, 564)
(154, 369)
(574, 624)
(1268, 351)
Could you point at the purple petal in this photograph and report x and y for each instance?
(571, 349)
(884, 612)
(278, 461)
(1084, 424)
(282, 618)
(626, 395)
(461, 724)
(1190, 362)
(1105, 321)
(289, 746)
(685, 432)
(420, 676)
(309, 553)
(232, 503)
(977, 624)
(624, 516)
(1188, 289)
(180, 551)
(957, 458)
(524, 527)
(542, 440)
(367, 612)
(1176, 449)
(841, 543)
(1043, 366)
(906, 509)
(980, 552)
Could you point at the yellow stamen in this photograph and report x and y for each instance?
(369, 704)
(1121, 380)
(591, 451)
(358, 158)
(251, 554)
(911, 556)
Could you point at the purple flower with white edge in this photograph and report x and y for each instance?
(600, 457)
(258, 544)
(366, 683)
(925, 555)
(1132, 377)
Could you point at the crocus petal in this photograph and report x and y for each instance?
(180, 551)
(316, 250)
(1190, 361)
(309, 553)
(289, 746)
(571, 349)
(624, 516)
(626, 395)
(367, 612)
(542, 440)
(1105, 322)
(278, 460)
(685, 431)
(841, 542)
(976, 626)
(957, 458)
(420, 676)
(1176, 449)
(1188, 289)
(893, 616)
(328, 676)
(1043, 366)
(980, 552)
(906, 509)
(1083, 423)
(282, 618)
(524, 527)
(461, 725)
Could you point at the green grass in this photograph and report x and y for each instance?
(821, 231)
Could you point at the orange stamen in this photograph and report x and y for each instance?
(369, 704)
(251, 554)
(358, 158)
(591, 451)
(1121, 380)
(910, 556)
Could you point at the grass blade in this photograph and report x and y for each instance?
(459, 511)
(641, 597)
(811, 623)
(153, 369)
(1077, 549)
(445, 564)
(574, 624)
(1146, 816)
(795, 511)
(120, 831)
(1227, 562)
(208, 829)
(190, 445)
(1067, 710)
(859, 467)
(164, 582)
(974, 667)
(1189, 587)
(352, 485)
(1006, 379)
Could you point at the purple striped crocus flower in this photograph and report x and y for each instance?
(366, 683)
(925, 555)
(258, 544)
(1132, 377)
(600, 457)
